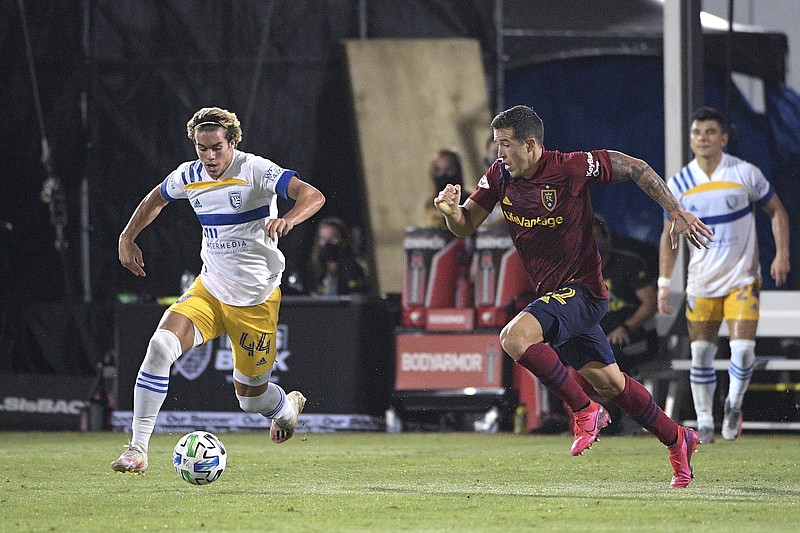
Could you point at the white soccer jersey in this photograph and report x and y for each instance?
(724, 202)
(241, 264)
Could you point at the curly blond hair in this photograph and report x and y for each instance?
(209, 118)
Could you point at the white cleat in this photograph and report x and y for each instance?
(731, 423)
(132, 460)
(281, 431)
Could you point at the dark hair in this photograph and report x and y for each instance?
(455, 162)
(316, 267)
(455, 159)
(710, 113)
(523, 121)
(341, 227)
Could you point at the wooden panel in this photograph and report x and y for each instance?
(413, 97)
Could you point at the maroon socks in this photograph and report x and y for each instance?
(638, 404)
(543, 362)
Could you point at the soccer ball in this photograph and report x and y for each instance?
(199, 458)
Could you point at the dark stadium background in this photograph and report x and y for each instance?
(118, 80)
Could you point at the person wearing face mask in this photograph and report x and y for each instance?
(445, 169)
(334, 268)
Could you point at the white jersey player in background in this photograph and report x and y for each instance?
(723, 281)
(234, 195)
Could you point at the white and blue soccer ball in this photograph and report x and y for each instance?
(199, 458)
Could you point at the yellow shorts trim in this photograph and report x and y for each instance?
(251, 329)
(740, 304)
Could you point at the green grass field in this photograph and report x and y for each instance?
(406, 482)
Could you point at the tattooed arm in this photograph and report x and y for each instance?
(625, 167)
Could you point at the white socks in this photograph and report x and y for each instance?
(152, 384)
(740, 370)
(703, 381)
(271, 404)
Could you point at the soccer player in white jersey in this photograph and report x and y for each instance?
(234, 195)
(723, 281)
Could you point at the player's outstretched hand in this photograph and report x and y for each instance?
(278, 227)
(130, 255)
(447, 199)
(696, 232)
(780, 269)
(663, 301)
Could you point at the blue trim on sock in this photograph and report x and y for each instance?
(152, 376)
(277, 410)
(157, 384)
(702, 375)
(159, 391)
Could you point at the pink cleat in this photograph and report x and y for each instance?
(680, 455)
(588, 423)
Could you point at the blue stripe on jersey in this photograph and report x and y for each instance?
(685, 182)
(767, 197)
(692, 181)
(195, 170)
(229, 219)
(282, 187)
(729, 217)
(680, 183)
(164, 194)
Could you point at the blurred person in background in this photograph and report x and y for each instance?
(629, 324)
(724, 282)
(234, 195)
(334, 267)
(445, 168)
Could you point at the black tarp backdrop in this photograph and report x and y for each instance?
(146, 66)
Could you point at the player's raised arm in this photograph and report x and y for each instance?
(625, 167)
(462, 220)
(307, 201)
(130, 255)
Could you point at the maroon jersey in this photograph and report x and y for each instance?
(550, 217)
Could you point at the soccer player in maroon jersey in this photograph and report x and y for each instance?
(544, 195)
